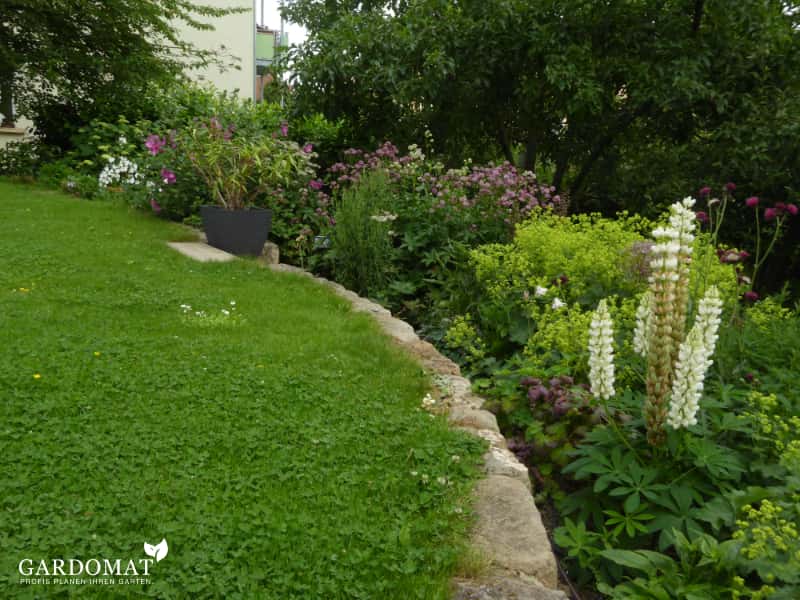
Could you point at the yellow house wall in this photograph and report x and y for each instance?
(17, 133)
(234, 35)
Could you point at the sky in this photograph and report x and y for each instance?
(272, 19)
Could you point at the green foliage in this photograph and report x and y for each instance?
(66, 64)
(23, 158)
(362, 238)
(274, 449)
(237, 168)
(630, 103)
(722, 495)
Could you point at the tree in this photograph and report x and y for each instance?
(85, 57)
(582, 87)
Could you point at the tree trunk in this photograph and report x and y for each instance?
(529, 158)
(7, 99)
(502, 138)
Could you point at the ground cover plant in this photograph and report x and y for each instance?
(272, 437)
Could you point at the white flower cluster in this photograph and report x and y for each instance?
(415, 153)
(694, 359)
(601, 353)
(119, 169)
(644, 324)
(383, 217)
(224, 315)
(673, 242)
(428, 402)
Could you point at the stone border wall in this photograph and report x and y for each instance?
(508, 532)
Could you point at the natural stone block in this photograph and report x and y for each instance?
(469, 417)
(504, 588)
(431, 359)
(498, 461)
(399, 330)
(495, 439)
(509, 529)
(271, 254)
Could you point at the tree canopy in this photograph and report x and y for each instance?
(594, 92)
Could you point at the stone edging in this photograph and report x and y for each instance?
(509, 530)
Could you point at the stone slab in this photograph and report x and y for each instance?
(498, 461)
(504, 588)
(431, 359)
(477, 419)
(201, 252)
(509, 530)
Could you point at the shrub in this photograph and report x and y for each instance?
(361, 243)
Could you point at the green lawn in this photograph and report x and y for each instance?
(272, 448)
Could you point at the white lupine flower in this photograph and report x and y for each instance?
(694, 359)
(557, 303)
(601, 353)
(540, 291)
(644, 324)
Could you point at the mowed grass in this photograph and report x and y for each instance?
(273, 449)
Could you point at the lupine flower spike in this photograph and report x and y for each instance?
(694, 359)
(601, 353)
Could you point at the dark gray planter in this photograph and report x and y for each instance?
(241, 232)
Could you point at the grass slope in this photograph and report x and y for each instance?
(273, 449)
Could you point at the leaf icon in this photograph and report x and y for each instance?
(158, 551)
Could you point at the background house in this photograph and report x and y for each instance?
(246, 50)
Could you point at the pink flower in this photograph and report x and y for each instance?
(705, 191)
(751, 202)
(701, 216)
(308, 148)
(284, 129)
(750, 296)
(155, 206)
(315, 184)
(168, 176)
(791, 209)
(770, 214)
(154, 144)
(731, 187)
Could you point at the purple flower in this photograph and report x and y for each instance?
(168, 176)
(284, 129)
(731, 187)
(701, 216)
(155, 206)
(750, 296)
(705, 191)
(315, 184)
(791, 209)
(154, 144)
(308, 148)
(751, 202)
(770, 214)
